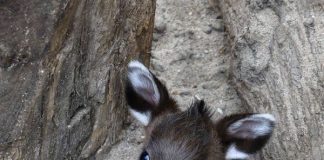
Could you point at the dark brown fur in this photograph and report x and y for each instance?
(186, 135)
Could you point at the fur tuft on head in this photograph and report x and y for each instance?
(198, 108)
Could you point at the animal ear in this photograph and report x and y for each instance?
(244, 134)
(144, 92)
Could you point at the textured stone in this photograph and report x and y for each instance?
(277, 52)
(61, 72)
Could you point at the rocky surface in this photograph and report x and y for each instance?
(61, 74)
(278, 67)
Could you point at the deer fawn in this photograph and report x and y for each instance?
(172, 134)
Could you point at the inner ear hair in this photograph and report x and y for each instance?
(143, 83)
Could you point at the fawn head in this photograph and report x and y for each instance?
(172, 134)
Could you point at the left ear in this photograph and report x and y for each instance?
(244, 134)
(146, 96)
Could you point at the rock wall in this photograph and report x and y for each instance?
(61, 72)
(277, 49)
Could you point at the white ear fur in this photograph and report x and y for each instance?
(234, 153)
(143, 117)
(265, 116)
(137, 64)
(143, 82)
(253, 126)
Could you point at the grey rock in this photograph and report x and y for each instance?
(184, 93)
(156, 37)
(158, 67)
(160, 28)
(218, 26)
(207, 29)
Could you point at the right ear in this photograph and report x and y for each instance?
(244, 134)
(145, 94)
